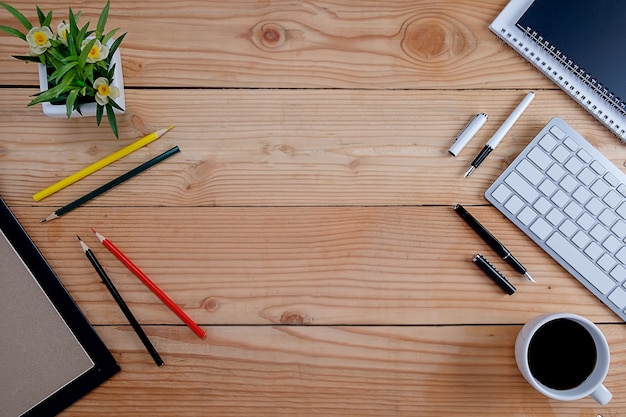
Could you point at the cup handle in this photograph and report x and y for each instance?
(602, 395)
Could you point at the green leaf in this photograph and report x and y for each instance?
(69, 104)
(114, 47)
(109, 35)
(48, 19)
(40, 16)
(102, 20)
(13, 32)
(19, 16)
(99, 111)
(112, 120)
(82, 34)
(60, 72)
(114, 104)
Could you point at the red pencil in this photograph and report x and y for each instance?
(148, 282)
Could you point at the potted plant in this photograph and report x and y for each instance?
(79, 69)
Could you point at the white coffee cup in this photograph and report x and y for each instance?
(534, 370)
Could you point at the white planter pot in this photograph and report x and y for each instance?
(87, 109)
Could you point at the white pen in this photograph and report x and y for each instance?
(501, 132)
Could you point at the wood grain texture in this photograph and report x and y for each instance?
(306, 265)
(332, 371)
(278, 44)
(282, 147)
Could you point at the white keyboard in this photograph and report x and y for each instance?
(571, 200)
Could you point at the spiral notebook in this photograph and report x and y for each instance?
(580, 45)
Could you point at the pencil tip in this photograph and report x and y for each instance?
(43, 221)
(93, 230)
(78, 237)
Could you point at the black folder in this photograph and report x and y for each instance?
(50, 355)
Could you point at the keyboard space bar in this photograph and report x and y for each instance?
(580, 263)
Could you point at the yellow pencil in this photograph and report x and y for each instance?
(100, 164)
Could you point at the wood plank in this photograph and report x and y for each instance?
(281, 147)
(333, 371)
(284, 44)
(306, 265)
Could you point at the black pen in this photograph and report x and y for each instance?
(494, 274)
(120, 302)
(491, 240)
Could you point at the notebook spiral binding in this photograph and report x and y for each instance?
(575, 69)
(573, 80)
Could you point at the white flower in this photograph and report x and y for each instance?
(98, 51)
(62, 31)
(39, 39)
(104, 91)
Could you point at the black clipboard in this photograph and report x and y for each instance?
(50, 355)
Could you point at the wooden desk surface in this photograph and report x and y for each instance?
(307, 224)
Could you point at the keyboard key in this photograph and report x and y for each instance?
(542, 206)
(621, 255)
(599, 232)
(611, 179)
(619, 229)
(581, 195)
(612, 244)
(501, 193)
(600, 188)
(571, 255)
(556, 216)
(541, 228)
(619, 273)
(607, 217)
(515, 181)
(618, 297)
(527, 215)
(586, 176)
(598, 167)
(594, 251)
(568, 183)
(574, 165)
(540, 158)
(584, 156)
(560, 198)
(586, 221)
(528, 171)
(556, 172)
(547, 187)
(594, 206)
(581, 239)
(606, 262)
(556, 131)
(573, 210)
(571, 144)
(560, 154)
(514, 205)
(612, 199)
(568, 228)
(547, 142)
(621, 210)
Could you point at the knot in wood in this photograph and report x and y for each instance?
(210, 304)
(293, 317)
(437, 39)
(269, 35)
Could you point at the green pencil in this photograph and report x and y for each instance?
(113, 183)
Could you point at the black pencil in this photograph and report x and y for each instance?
(113, 183)
(120, 302)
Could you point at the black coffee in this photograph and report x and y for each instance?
(562, 354)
